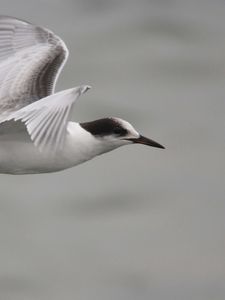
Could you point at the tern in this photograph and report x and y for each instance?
(36, 131)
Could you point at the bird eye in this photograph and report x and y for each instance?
(117, 130)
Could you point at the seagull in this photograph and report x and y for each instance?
(36, 131)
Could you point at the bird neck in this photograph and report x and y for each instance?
(82, 145)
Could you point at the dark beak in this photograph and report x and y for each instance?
(145, 141)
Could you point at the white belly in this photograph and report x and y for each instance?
(25, 158)
(18, 155)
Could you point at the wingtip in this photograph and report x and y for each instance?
(84, 88)
(80, 89)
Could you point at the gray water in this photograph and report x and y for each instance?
(137, 223)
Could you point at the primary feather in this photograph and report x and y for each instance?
(31, 58)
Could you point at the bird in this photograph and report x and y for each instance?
(37, 134)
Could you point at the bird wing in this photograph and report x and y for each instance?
(46, 119)
(31, 59)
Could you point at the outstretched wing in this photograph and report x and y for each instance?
(46, 119)
(31, 59)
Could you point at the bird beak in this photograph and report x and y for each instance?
(146, 141)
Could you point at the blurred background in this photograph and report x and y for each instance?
(137, 223)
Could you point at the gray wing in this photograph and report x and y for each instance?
(46, 119)
(31, 59)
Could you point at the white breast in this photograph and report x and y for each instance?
(18, 155)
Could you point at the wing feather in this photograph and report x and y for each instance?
(31, 58)
(46, 119)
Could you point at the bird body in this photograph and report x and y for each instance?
(36, 132)
(18, 155)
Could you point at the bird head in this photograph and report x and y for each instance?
(115, 132)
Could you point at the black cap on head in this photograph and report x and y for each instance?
(104, 127)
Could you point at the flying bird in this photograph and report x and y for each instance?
(36, 131)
